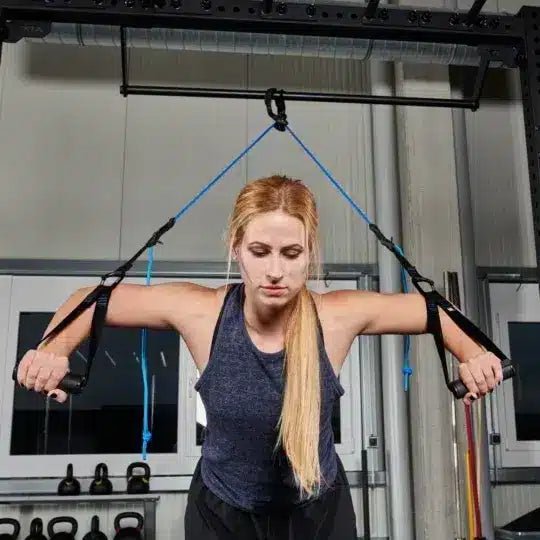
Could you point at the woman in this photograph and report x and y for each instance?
(269, 352)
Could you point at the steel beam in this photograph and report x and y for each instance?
(320, 19)
(530, 92)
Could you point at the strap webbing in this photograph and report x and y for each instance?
(433, 298)
(101, 296)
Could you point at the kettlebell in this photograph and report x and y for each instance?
(138, 483)
(101, 485)
(62, 535)
(128, 533)
(16, 528)
(36, 530)
(95, 533)
(69, 485)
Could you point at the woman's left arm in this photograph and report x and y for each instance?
(371, 313)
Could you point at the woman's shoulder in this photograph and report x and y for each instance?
(196, 303)
(342, 308)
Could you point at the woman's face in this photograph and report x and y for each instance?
(273, 257)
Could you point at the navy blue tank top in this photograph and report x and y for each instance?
(242, 389)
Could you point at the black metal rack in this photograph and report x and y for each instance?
(148, 502)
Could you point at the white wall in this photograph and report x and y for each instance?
(502, 213)
(89, 174)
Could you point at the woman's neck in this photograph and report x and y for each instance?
(263, 319)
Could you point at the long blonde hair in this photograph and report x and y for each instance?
(300, 415)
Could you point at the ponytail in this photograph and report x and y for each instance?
(299, 423)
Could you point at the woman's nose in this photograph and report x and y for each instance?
(274, 269)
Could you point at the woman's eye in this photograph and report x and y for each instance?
(292, 255)
(259, 253)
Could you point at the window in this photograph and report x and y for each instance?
(106, 417)
(515, 407)
(104, 423)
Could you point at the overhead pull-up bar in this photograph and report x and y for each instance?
(468, 103)
(127, 90)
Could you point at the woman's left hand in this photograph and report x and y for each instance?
(480, 374)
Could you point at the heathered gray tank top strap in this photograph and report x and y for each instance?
(242, 389)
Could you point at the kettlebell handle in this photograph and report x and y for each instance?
(36, 527)
(62, 519)
(125, 515)
(102, 471)
(138, 465)
(14, 523)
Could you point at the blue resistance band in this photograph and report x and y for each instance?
(146, 434)
(407, 370)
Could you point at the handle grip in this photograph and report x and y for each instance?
(460, 390)
(72, 383)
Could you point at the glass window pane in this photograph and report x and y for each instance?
(524, 340)
(107, 417)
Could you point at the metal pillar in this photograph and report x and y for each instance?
(470, 308)
(395, 403)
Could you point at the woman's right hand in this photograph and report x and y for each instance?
(42, 371)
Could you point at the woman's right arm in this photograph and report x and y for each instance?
(160, 306)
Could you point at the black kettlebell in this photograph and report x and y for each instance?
(95, 533)
(36, 530)
(69, 485)
(138, 483)
(16, 528)
(128, 533)
(101, 485)
(62, 535)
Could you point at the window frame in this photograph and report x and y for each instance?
(46, 292)
(508, 300)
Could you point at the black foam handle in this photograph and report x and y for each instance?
(460, 390)
(72, 383)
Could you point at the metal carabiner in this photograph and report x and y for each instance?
(280, 117)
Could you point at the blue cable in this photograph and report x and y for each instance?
(407, 370)
(146, 434)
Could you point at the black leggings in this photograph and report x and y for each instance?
(329, 517)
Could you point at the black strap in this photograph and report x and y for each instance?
(435, 300)
(74, 383)
(434, 327)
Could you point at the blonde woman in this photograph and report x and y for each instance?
(269, 352)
